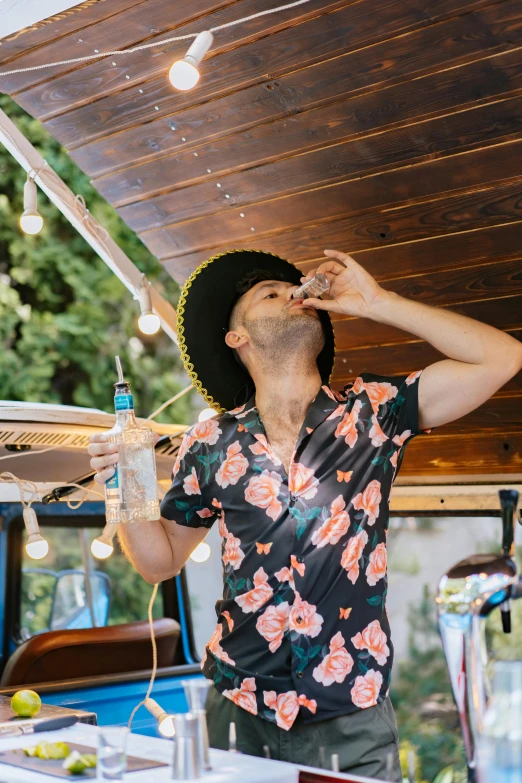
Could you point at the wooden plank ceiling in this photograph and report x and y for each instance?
(389, 129)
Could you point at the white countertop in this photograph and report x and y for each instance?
(226, 767)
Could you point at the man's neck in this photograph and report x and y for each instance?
(287, 395)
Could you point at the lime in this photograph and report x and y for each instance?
(42, 750)
(30, 751)
(26, 704)
(57, 750)
(89, 759)
(74, 763)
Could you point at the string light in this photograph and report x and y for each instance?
(36, 546)
(102, 547)
(184, 74)
(201, 553)
(31, 222)
(148, 322)
(165, 721)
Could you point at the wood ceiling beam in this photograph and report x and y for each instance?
(385, 110)
(488, 453)
(325, 37)
(428, 50)
(305, 249)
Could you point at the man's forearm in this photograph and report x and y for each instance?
(454, 335)
(147, 546)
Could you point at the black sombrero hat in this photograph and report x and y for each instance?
(204, 309)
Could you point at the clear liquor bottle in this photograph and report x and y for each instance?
(131, 494)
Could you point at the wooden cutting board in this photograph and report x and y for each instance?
(17, 758)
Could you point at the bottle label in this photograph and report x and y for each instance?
(123, 402)
(113, 488)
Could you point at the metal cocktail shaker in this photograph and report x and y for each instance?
(186, 764)
(196, 691)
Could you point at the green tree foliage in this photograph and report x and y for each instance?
(422, 697)
(63, 314)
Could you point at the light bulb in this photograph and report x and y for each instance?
(149, 323)
(184, 74)
(102, 546)
(207, 413)
(101, 550)
(201, 553)
(36, 547)
(165, 721)
(166, 726)
(31, 221)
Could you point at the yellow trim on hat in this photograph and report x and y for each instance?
(180, 329)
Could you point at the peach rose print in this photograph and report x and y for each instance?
(376, 568)
(215, 647)
(347, 426)
(205, 512)
(377, 436)
(237, 410)
(229, 620)
(302, 481)
(234, 466)
(262, 491)
(272, 624)
(366, 689)
(186, 443)
(374, 640)
(191, 484)
(263, 447)
(412, 377)
(379, 393)
(304, 618)
(232, 554)
(336, 413)
(369, 501)
(244, 695)
(297, 565)
(335, 527)
(286, 706)
(393, 458)
(352, 554)
(286, 575)
(206, 432)
(399, 439)
(358, 385)
(336, 665)
(259, 595)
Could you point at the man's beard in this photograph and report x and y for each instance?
(282, 340)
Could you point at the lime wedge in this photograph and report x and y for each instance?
(89, 759)
(74, 763)
(30, 751)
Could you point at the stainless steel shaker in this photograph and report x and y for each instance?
(186, 764)
(196, 691)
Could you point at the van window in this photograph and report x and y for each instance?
(56, 594)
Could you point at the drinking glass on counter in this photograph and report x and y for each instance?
(112, 754)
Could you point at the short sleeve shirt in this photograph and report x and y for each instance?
(302, 624)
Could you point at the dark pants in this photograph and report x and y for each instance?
(363, 740)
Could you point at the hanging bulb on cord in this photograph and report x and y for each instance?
(36, 546)
(165, 721)
(148, 322)
(102, 546)
(31, 221)
(184, 74)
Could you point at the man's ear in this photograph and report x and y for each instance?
(235, 340)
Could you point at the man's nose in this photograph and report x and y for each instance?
(290, 292)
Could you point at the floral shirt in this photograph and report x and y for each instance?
(302, 624)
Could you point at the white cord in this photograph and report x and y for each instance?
(142, 47)
(34, 453)
(24, 486)
(169, 402)
(154, 657)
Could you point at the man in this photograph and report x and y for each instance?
(298, 478)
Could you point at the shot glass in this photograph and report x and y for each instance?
(112, 753)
